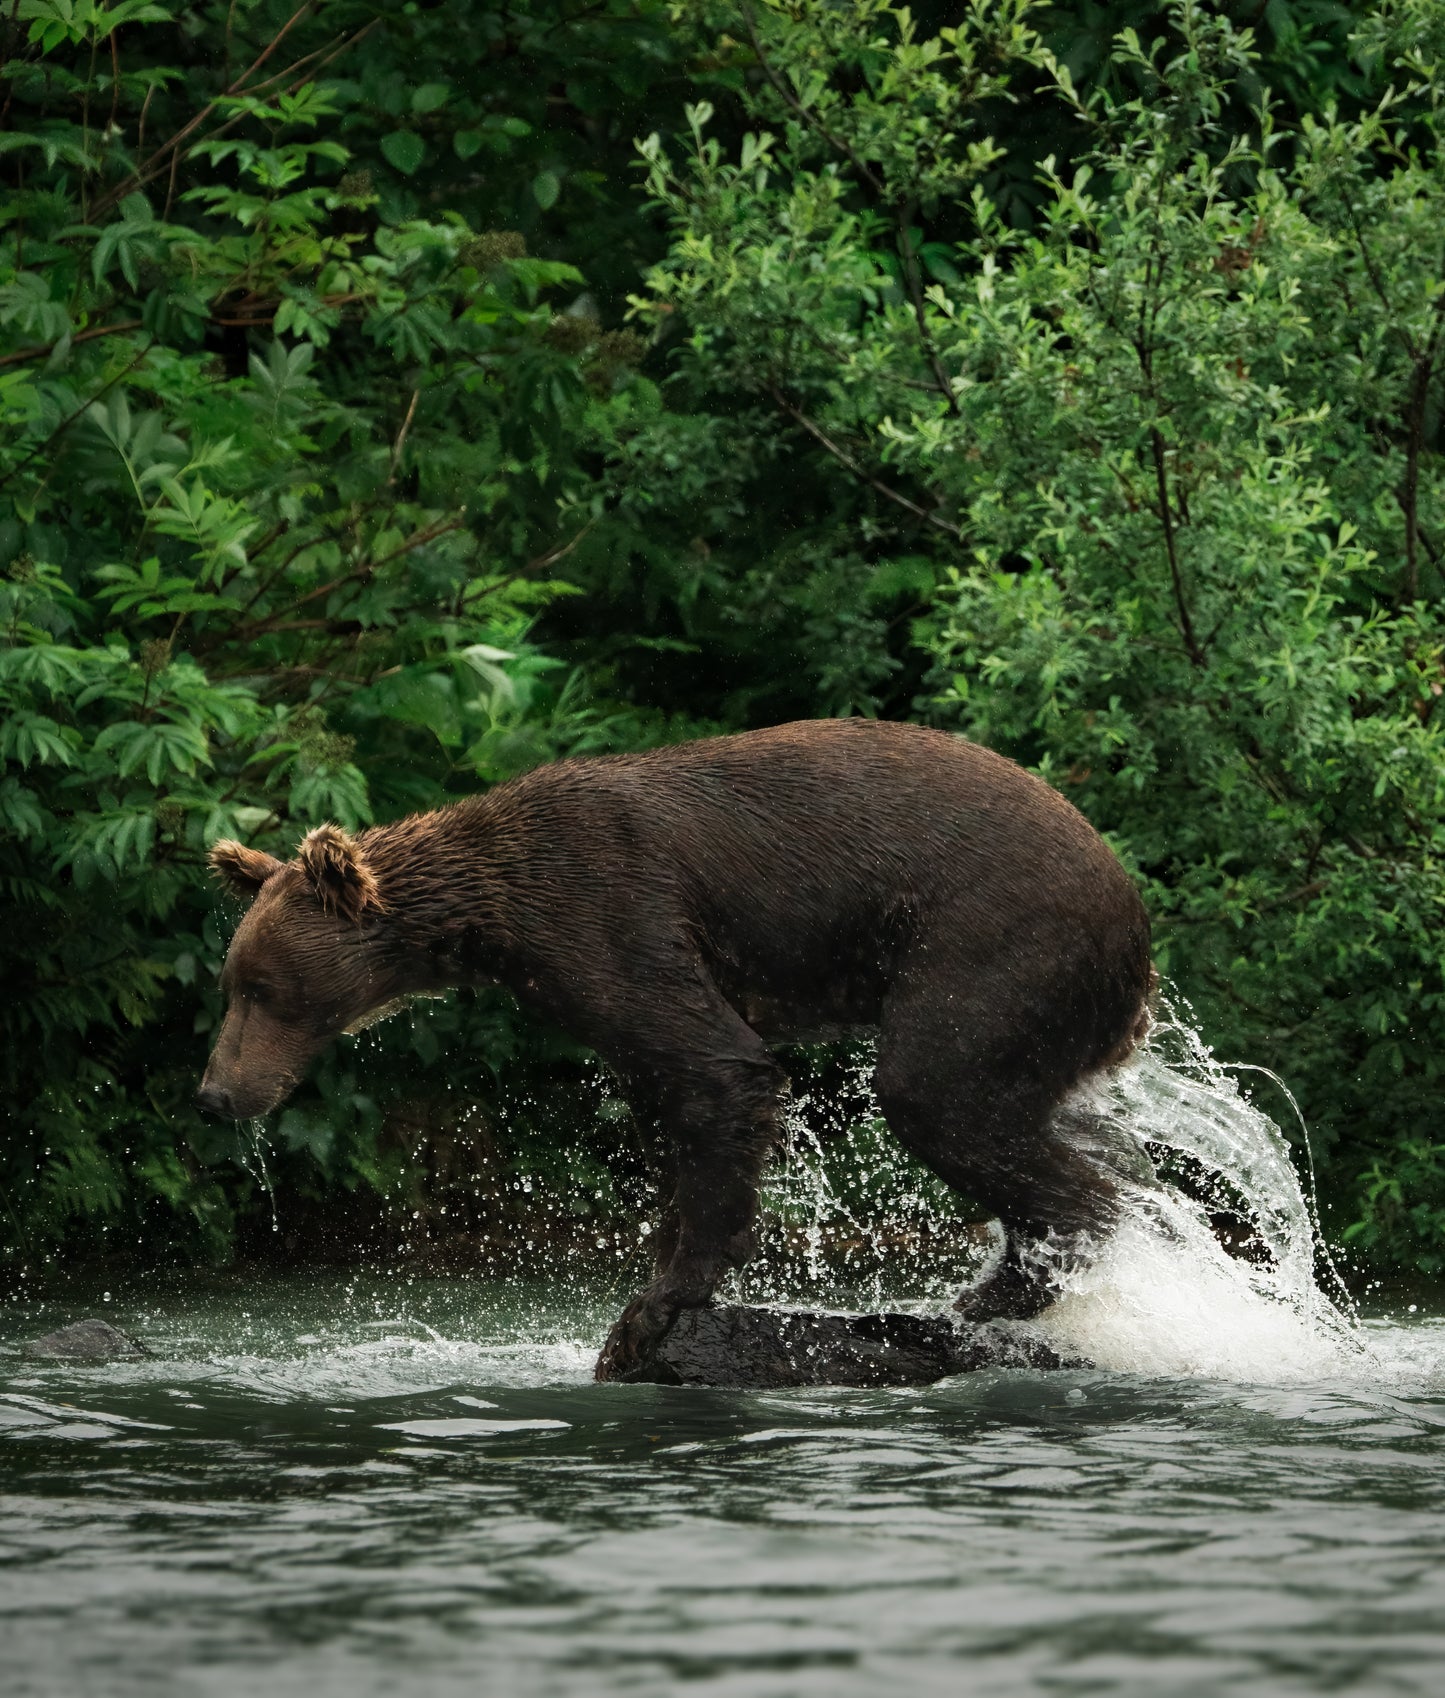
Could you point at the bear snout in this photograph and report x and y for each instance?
(216, 1101)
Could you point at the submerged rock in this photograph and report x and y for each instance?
(86, 1341)
(760, 1349)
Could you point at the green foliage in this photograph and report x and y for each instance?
(282, 457)
(1066, 376)
(1152, 483)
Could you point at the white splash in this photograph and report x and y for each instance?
(1165, 1297)
(848, 1219)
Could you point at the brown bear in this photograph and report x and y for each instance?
(683, 910)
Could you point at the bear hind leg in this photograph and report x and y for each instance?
(990, 1126)
(1057, 1206)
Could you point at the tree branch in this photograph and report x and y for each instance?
(912, 273)
(70, 418)
(1421, 375)
(1166, 515)
(806, 114)
(401, 436)
(157, 162)
(273, 621)
(23, 355)
(553, 555)
(844, 458)
(914, 277)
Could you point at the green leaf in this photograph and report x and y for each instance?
(20, 810)
(404, 149)
(545, 189)
(27, 737)
(429, 97)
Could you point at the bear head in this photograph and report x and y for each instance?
(303, 967)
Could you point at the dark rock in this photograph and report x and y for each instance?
(768, 1348)
(87, 1341)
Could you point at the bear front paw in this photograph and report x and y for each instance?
(631, 1344)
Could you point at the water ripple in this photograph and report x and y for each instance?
(302, 1496)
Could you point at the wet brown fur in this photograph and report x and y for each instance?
(684, 909)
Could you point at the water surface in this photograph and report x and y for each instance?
(382, 1485)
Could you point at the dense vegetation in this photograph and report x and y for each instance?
(395, 396)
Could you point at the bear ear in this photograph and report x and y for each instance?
(343, 882)
(243, 870)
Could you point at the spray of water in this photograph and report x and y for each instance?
(848, 1218)
(260, 1174)
(1164, 1296)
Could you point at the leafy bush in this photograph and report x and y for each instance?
(1155, 485)
(281, 464)
(1042, 376)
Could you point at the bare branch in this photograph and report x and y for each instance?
(70, 418)
(277, 621)
(1166, 515)
(913, 276)
(401, 435)
(844, 458)
(543, 561)
(23, 355)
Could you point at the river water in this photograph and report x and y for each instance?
(379, 1484)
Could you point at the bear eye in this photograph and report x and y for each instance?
(263, 995)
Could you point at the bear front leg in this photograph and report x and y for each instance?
(722, 1127)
